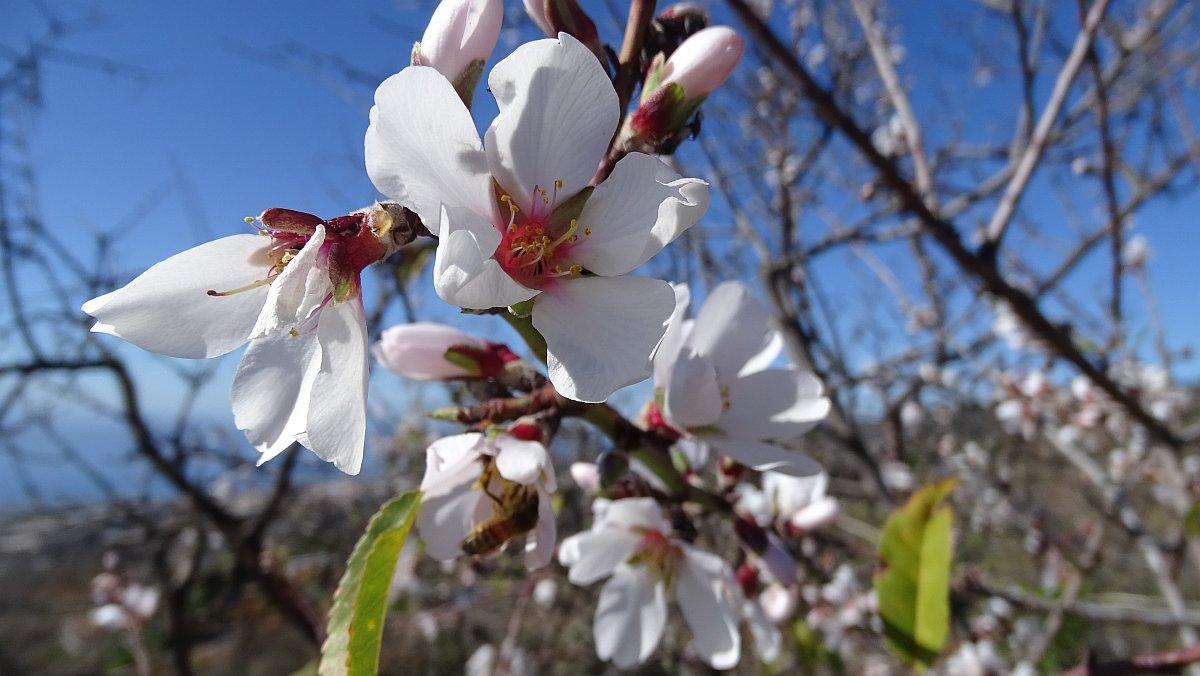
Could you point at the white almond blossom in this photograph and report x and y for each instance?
(713, 383)
(292, 291)
(454, 500)
(516, 218)
(631, 544)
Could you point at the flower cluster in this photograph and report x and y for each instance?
(544, 218)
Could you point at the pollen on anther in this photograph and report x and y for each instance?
(249, 219)
(293, 332)
(587, 232)
(576, 269)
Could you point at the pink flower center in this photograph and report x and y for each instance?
(658, 552)
(534, 248)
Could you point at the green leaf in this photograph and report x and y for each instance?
(914, 583)
(359, 604)
(1191, 521)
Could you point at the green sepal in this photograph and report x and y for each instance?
(462, 361)
(464, 83)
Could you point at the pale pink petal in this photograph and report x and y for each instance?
(779, 602)
(521, 461)
(600, 332)
(694, 396)
(729, 329)
(271, 389)
(703, 591)
(167, 309)
(763, 456)
(586, 476)
(418, 350)
(422, 148)
(817, 515)
(459, 33)
(643, 206)
(558, 111)
(631, 614)
(774, 404)
(296, 291)
(536, 9)
(337, 418)
(595, 554)
(539, 547)
(464, 272)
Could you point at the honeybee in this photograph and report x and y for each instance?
(514, 513)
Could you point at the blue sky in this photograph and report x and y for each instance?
(218, 111)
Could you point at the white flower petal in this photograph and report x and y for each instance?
(694, 396)
(337, 420)
(774, 404)
(271, 390)
(447, 516)
(167, 309)
(763, 456)
(643, 206)
(521, 461)
(636, 514)
(296, 291)
(558, 111)
(600, 332)
(464, 272)
(771, 349)
(704, 595)
(672, 340)
(767, 639)
(446, 456)
(422, 148)
(539, 547)
(631, 614)
(729, 329)
(595, 554)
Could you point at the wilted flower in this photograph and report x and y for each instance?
(474, 483)
(632, 543)
(292, 290)
(712, 383)
(518, 222)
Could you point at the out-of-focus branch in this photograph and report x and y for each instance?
(981, 267)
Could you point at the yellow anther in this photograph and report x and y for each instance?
(587, 232)
(576, 269)
(558, 184)
(249, 219)
(293, 332)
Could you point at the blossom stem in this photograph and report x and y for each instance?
(628, 71)
(653, 452)
(524, 327)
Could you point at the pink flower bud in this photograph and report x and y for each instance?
(460, 32)
(704, 61)
(428, 351)
(536, 9)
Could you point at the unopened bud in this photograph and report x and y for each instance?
(566, 16)
(704, 61)
(459, 39)
(675, 87)
(431, 351)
